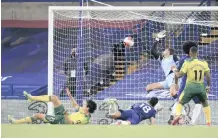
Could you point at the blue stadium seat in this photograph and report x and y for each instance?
(6, 90)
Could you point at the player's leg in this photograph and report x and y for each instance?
(37, 116)
(171, 84)
(184, 98)
(117, 114)
(45, 98)
(121, 117)
(126, 117)
(173, 91)
(159, 85)
(173, 114)
(207, 110)
(196, 111)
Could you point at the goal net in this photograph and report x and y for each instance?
(87, 53)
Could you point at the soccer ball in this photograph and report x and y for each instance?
(128, 42)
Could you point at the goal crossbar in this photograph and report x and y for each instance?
(133, 8)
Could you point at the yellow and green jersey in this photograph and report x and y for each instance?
(195, 69)
(80, 117)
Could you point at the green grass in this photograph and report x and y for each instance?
(103, 131)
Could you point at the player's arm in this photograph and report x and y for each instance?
(152, 121)
(155, 52)
(208, 78)
(182, 72)
(73, 101)
(179, 74)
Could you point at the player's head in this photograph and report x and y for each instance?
(167, 52)
(193, 52)
(153, 101)
(90, 106)
(187, 46)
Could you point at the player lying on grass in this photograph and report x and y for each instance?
(167, 59)
(195, 69)
(133, 116)
(197, 109)
(61, 116)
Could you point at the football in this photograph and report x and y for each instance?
(128, 42)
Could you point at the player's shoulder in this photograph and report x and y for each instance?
(202, 61)
(188, 60)
(81, 110)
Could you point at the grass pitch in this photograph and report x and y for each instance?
(106, 131)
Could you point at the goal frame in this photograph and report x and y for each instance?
(101, 8)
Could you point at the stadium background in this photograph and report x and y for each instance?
(25, 49)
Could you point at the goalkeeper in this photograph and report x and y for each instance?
(61, 116)
(167, 59)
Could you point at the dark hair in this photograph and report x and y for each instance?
(171, 51)
(153, 101)
(91, 105)
(187, 46)
(194, 49)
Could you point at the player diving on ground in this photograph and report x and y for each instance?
(195, 69)
(133, 116)
(167, 59)
(61, 115)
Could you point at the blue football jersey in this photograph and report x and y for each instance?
(144, 110)
(183, 81)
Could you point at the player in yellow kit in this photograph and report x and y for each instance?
(195, 69)
(61, 116)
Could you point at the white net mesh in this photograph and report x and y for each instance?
(103, 67)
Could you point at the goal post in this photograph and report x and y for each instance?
(50, 59)
(104, 68)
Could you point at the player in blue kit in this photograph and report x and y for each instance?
(197, 109)
(137, 113)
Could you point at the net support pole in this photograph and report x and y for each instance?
(50, 58)
(80, 61)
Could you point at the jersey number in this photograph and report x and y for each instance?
(196, 74)
(146, 109)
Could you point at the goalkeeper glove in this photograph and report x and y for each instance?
(161, 35)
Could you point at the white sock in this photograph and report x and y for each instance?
(196, 112)
(125, 123)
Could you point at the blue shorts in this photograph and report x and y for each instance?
(169, 81)
(129, 115)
